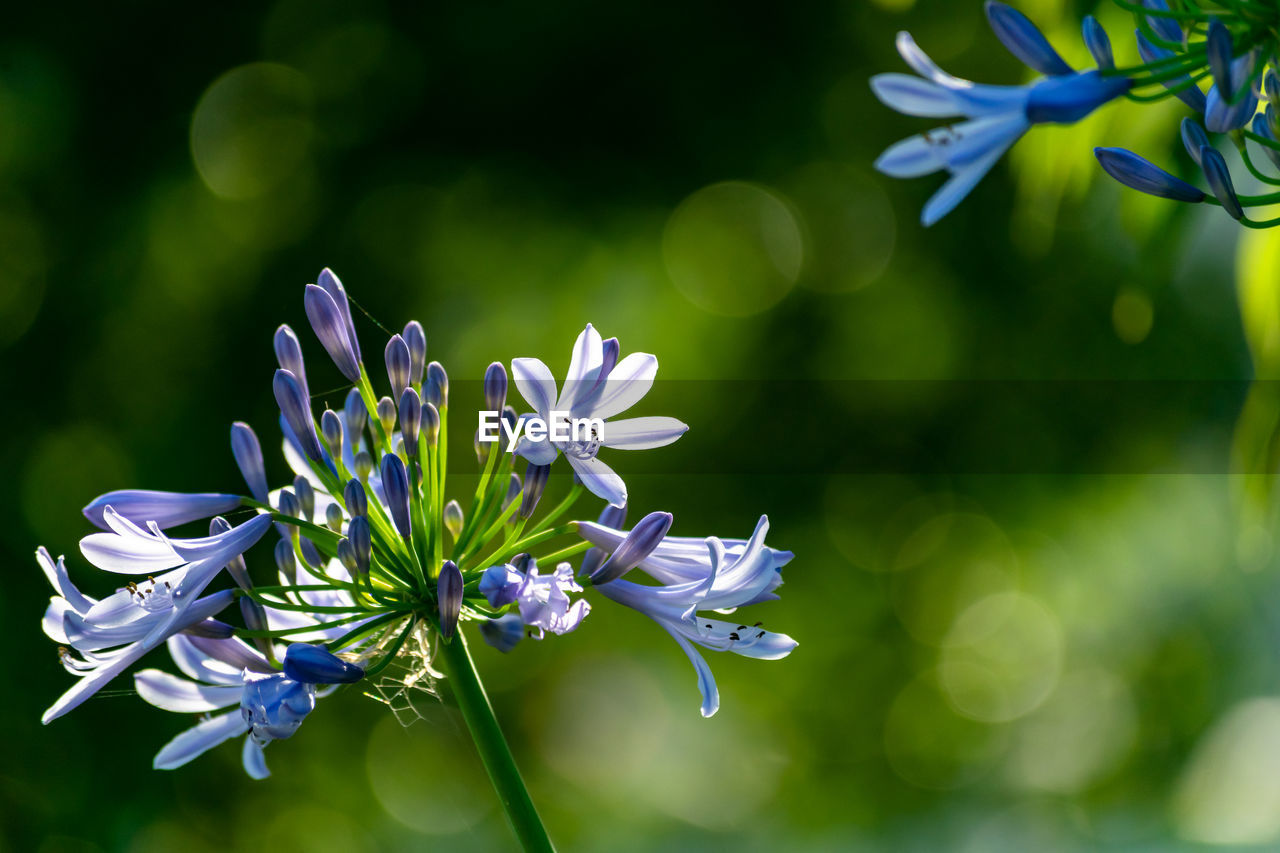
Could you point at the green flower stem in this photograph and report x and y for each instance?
(492, 746)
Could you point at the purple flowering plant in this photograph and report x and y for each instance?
(375, 569)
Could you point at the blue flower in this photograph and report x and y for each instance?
(722, 577)
(597, 385)
(1142, 175)
(542, 600)
(111, 634)
(997, 115)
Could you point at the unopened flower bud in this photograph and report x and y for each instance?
(330, 326)
(356, 499)
(435, 389)
(397, 358)
(395, 483)
(289, 354)
(236, 568)
(614, 517)
(255, 619)
(331, 285)
(416, 339)
(495, 387)
(248, 453)
(453, 518)
(288, 504)
(310, 664)
(310, 553)
(513, 489)
(333, 517)
(387, 414)
(356, 416)
(535, 480)
(430, 424)
(306, 496)
(294, 404)
(347, 556)
(331, 430)
(360, 536)
(410, 419)
(449, 598)
(286, 562)
(364, 466)
(639, 544)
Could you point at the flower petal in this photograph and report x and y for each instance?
(706, 680)
(202, 737)
(625, 386)
(535, 383)
(254, 760)
(584, 369)
(600, 480)
(643, 433)
(172, 693)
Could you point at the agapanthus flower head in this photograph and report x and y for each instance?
(374, 567)
(1234, 48)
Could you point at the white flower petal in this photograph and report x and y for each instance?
(182, 696)
(643, 433)
(625, 386)
(535, 383)
(198, 739)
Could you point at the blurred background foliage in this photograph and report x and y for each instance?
(1078, 654)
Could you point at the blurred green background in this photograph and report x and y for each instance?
(1072, 648)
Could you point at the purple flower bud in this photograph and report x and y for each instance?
(306, 496)
(248, 453)
(356, 499)
(638, 545)
(356, 416)
(436, 389)
(1024, 40)
(1139, 174)
(236, 568)
(347, 556)
(416, 338)
(166, 509)
(361, 539)
(286, 562)
(331, 328)
(453, 518)
(310, 664)
(255, 619)
(410, 419)
(449, 598)
(1193, 138)
(1099, 44)
(1218, 50)
(611, 516)
(333, 517)
(288, 504)
(495, 387)
(387, 414)
(513, 489)
(310, 553)
(1219, 178)
(398, 364)
(289, 354)
(331, 430)
(504, 632)
(329, 282)
(535, 481)
(430, 424)
(509, 417)
(395, 483)
(296, 408)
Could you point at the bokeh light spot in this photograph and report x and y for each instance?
(1229, 792)
(849, 227)
(1081, 732)
(733, 248)
(252, 129)
(1132, 316)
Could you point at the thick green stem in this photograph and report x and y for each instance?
(492, 746)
